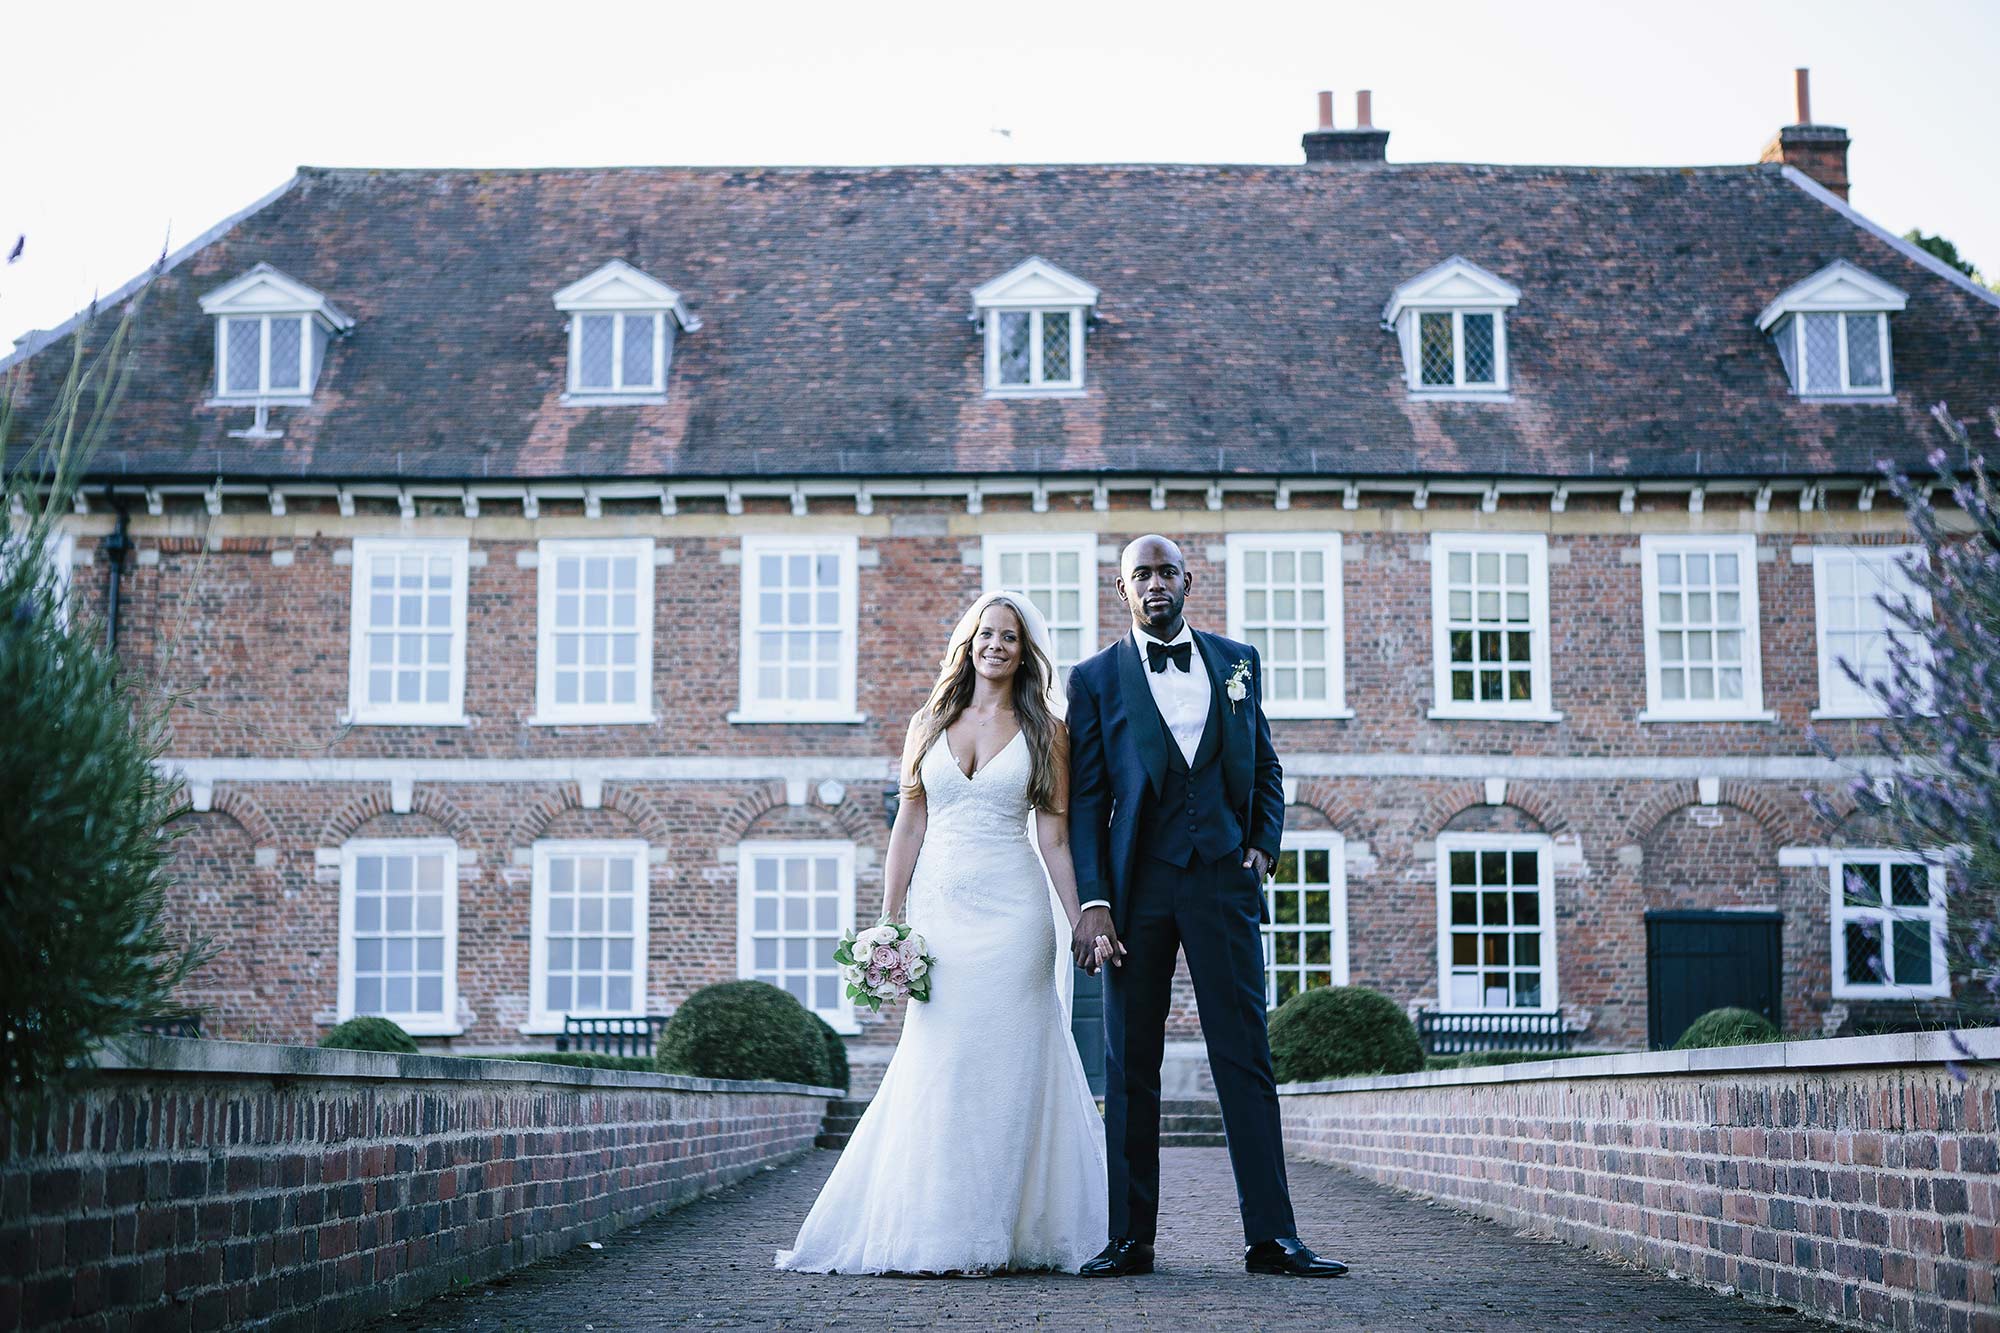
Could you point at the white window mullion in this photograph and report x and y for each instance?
(263, 355)
(1458, 349)
(618, 352)
(1035, 376)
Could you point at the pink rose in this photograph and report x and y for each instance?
(907, 952)
(874, 976)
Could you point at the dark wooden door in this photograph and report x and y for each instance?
(1086, 1025)
(1698, 961)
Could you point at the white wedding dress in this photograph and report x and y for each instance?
(983, 1149)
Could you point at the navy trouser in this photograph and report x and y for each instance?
(1212, 910)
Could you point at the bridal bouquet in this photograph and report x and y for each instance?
(884, 962)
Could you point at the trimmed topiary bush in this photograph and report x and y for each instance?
(370, 1033)
(1340, 1031)
(1726, 1027)
(836, 1055)
(743, 1030)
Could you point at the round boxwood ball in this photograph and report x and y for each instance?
(1726, 1027)
(370, 1033)
(1341, 1031)
(836, 1055)
(744, 1030)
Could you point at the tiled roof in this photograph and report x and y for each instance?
(1239, 328)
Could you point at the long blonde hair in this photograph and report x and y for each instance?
(1036, 700)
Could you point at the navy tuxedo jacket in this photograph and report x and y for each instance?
(1118, 760)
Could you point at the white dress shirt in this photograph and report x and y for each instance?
(1181, 696)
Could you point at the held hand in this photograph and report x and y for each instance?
(1254, 859)
(1094, 940)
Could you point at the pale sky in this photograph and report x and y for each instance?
(129, 124)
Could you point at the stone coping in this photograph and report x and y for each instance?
(1900, 1048)
(188, 1055)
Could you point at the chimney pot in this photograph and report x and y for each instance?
(1359, 146)
(1364, 110)
(1819, 151)
(1326, 110)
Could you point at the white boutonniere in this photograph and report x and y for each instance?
(1237, 687)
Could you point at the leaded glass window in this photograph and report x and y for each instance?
(1305, 941)
(1459, 349)
(794, 902)
(1497, 933)
(1835, 352)
(616, 353)
(1889, 926)
(1034, 349)
(262, 354)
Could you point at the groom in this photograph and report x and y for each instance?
(1175, 814)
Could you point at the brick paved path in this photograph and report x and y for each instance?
(1416, 1266)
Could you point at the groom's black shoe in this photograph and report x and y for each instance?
(1288, 1256)
(1121, 1258)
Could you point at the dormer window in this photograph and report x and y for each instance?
(1832, 332)
(271, 335)
(1033, 319)
(621, 334)
(1451, 323)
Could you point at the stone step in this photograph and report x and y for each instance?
(1216, 1140)
(1190, 1124)
(1190, 1106)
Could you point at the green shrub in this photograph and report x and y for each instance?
(1339, 1031)
(836, 1056)
(370, 1033)
(642, 1064)
(1726, 1027)
(743, 1030)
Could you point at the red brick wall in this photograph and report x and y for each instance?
(233, 1196)
(261, 650)
(1869, 1195)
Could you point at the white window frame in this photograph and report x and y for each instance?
(1796, 332)
(1539, 706)
(1036, 384)
(61, 554)
(842, 1018)
(303, 389)
(618, 388)
(994, 547)
(1459, 384)
(415, 1024)
(842, 708)
(1836, 860)
(541, 1019)
(360, 712)
(1299, 843)
(548, 712)
(1544, 847)
(1327, 545)
(1750, 708)
(1838, 696)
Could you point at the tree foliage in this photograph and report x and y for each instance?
(84, 847)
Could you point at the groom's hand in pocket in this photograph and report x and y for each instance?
(1094, 921)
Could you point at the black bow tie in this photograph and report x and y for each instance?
(1159, 654)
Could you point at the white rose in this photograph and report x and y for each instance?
(886, 990)
(1238, 691)
(852, 974)
(876, 936)
(918, 941)
(918, 968)
(863, 951)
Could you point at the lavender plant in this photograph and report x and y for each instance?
(1937, 794)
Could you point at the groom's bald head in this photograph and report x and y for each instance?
(1154, 581)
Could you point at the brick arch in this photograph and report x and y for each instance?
(374, 802)
(1743, 796)
(1336, 810)
(856, 819)
(1537, 802)
(544, 809)
(753, 805)
(249, 816)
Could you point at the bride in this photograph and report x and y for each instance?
(982, 1150)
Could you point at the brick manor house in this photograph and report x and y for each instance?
(550, 560)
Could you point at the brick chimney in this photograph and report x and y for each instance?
(1362, 144)
(1820, 151)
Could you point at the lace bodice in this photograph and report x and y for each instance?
(992, 803)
